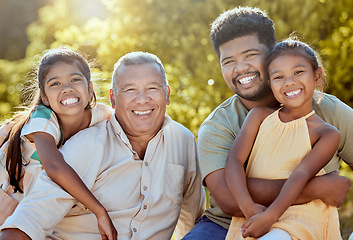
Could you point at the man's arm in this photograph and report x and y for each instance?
(335, 112)
(194, 199)
(263, 192)
(331, 188)
(217, 134)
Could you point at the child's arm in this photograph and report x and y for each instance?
(313, 162)
(238, 153)
(62, 174)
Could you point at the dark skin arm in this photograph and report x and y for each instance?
(62, 174)
(325, 146)
(330, 188)
(13, 234)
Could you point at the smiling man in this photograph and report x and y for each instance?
(140, 98)
(141, 165)
(242, 38)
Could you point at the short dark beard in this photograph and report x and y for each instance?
(260, 93)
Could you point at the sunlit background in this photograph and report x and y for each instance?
(175, 30)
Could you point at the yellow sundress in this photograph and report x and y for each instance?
(279, 147)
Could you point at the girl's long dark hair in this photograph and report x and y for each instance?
(14, 158)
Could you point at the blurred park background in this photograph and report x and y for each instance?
(178, 32)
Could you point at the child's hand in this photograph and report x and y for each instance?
(106, 227)
(258, 225)
(255, 209)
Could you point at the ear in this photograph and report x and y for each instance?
(90, 90)
(168, 95)
(318, 77)
(112, 98)
(44, 99)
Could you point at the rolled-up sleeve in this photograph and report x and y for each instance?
(47, 203)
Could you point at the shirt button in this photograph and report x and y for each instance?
(145, 207)
(145, 188)
(146, 164)
(134, 229)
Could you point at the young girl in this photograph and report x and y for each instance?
(292, 143)
(64, 105)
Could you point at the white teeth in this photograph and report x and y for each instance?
(69, 101)
(246, 79)
(290, 94)
(142, 112)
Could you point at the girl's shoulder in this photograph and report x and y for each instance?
(261, 112)
(100, 112)
(42, 115)
(42, 111)
(42, 119)
(326, 128)
(321, 128)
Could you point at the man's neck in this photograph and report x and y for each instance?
(139, 144)
(267, 101)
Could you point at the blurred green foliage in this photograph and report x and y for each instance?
(178, 32)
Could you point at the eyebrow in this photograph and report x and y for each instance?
(126, 86)
(226, 58)
(272, 73)
(296, 66)
(246, 51)
(251, 49)
(71, 74)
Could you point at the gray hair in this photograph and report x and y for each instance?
(137, 58)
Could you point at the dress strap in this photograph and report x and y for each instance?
(309, 114)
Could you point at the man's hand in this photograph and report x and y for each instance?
(331, 188)
(13, 234)
(336, 190)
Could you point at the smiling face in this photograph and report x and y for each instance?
(293, 80)
(140, 99)
(242, 62)
(66, 90)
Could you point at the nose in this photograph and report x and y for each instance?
(67, 88)
(289, 81)
(142, 97)
(241, 67)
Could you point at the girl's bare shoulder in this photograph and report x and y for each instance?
(262, 112)
(322, 128)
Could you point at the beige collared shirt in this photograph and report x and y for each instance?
(143, 197)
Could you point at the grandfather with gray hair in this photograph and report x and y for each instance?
(141, 165)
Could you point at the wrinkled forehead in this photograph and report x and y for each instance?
(139, 74)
